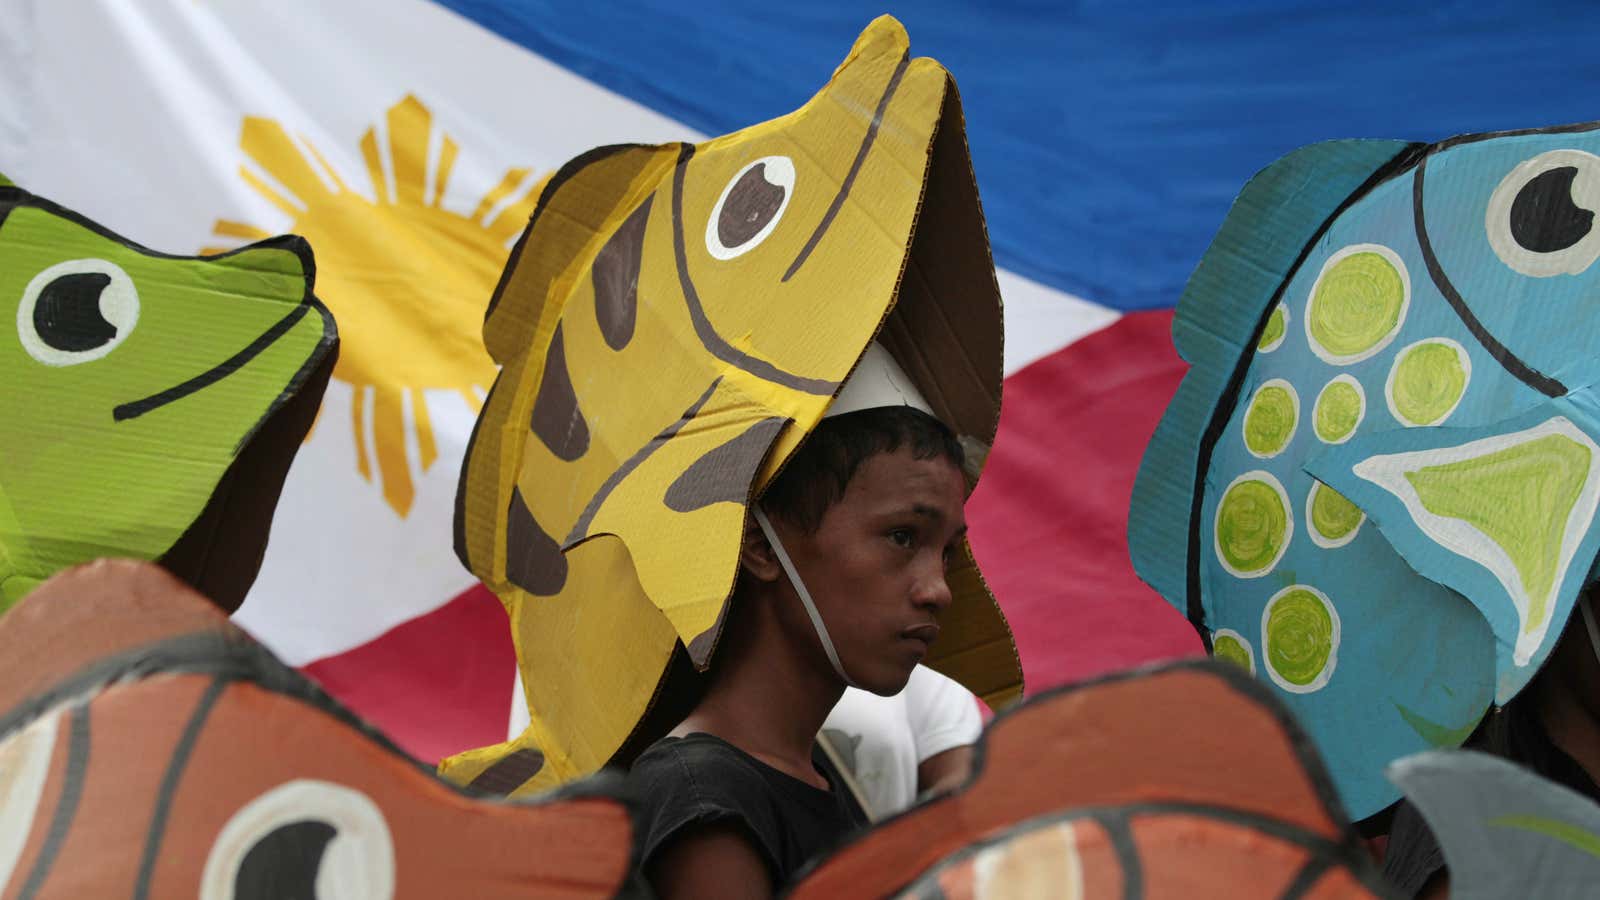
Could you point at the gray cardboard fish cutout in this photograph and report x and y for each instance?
(1505, 831)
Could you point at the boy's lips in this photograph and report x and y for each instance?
(927, 633)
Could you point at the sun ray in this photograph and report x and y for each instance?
(441, 178)
(369, 153)
(427, 450)
(514, 217)
(508, 183)
(406, 277)
(389, 433)
(510, 223)
(270, 146)
(358, 422)
(410, 123)
(214, 250)
(322, 161)
(241, 230)
(495, 220)
(270, 194)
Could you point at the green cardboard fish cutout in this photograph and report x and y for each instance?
(152, 403)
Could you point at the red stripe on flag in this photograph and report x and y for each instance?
(1049, 524)
(1049, 521)
(437, 684)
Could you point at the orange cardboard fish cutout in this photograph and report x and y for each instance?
(1182, 781)
(148, 748)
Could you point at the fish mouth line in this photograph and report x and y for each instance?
(136, 408)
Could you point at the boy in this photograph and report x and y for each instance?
(841, 582)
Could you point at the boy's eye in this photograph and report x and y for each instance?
(901, 537)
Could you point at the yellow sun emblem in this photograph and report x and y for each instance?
(406, 278)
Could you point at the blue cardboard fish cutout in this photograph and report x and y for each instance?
(1377, 486)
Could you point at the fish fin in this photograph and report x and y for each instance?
(1504, 831)
(1224, 307)
(579, 206)
(1519, 498)
(580, 716)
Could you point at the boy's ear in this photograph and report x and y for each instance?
(755, 553)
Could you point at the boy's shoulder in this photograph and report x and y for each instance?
(698, 766)
(703, 780)
(700, 779)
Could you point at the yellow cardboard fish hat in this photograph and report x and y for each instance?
(672, 324)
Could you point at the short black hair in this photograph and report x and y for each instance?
(818, 473)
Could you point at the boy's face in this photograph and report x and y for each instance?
(876, 564)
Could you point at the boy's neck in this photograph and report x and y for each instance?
(768, 698)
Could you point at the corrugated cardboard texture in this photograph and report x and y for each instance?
(152, 403)
(1378, 488)
(165, 754)
(671, 327)
(1187, 817)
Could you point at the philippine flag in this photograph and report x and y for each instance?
(404, 139)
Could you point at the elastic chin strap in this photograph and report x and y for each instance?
(1588, 622)
(805, 595)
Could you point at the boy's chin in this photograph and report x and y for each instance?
(886, 680)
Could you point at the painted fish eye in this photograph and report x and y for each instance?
(77, 311)
(750, 206)
(1541, 218)
(303, 838)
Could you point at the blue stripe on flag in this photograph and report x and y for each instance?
(1108, 138)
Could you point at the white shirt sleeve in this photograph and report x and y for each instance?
(873, 736)
(942, 713)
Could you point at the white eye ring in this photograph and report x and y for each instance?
(357, 862)
(118, 308)
(1585, 195)
(776, 172)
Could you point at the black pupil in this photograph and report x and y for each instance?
(67, 315)
(1543, 217)
(283, 864)
(751, 204)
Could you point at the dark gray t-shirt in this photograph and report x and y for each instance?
(700, 780)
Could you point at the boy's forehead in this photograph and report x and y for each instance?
(898, 477)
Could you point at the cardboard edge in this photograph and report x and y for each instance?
(1347, 848)
(220, 553)
(1230, 300)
